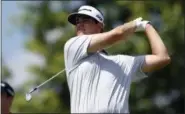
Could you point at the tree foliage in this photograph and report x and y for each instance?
(6, 72)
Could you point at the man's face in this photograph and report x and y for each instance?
(87, 25)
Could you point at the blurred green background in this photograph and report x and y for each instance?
(161, 93)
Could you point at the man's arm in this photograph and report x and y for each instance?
(159, 57)
(102, 40)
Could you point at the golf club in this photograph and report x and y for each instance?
(28, 95)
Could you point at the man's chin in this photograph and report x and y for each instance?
(80, 33)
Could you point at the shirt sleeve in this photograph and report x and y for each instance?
(75, 49)
(132, 65)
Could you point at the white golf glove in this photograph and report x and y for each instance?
(140, 24)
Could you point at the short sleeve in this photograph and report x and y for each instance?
(75, 49)
(132, 65)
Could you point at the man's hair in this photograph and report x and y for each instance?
(7, 89)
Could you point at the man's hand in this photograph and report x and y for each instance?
(140, 24)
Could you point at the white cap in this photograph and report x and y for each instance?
(88, 11)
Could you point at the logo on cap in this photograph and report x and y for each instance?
(85, 9)
(99, 17)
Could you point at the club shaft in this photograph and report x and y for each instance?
(48, 80)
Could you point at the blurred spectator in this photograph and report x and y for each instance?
(7, 95)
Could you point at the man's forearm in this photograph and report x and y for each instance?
(156, 43)
(126, 29)
(106, 39)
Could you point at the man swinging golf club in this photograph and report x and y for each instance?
(100, 83)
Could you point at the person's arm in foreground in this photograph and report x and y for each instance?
(159, 57)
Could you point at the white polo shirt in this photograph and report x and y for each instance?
(98, 82)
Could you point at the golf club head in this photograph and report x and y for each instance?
(28, 97)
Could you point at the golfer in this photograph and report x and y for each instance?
(98, 82)
(7, 95)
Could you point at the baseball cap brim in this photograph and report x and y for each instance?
(6, 88)
(72, 17)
